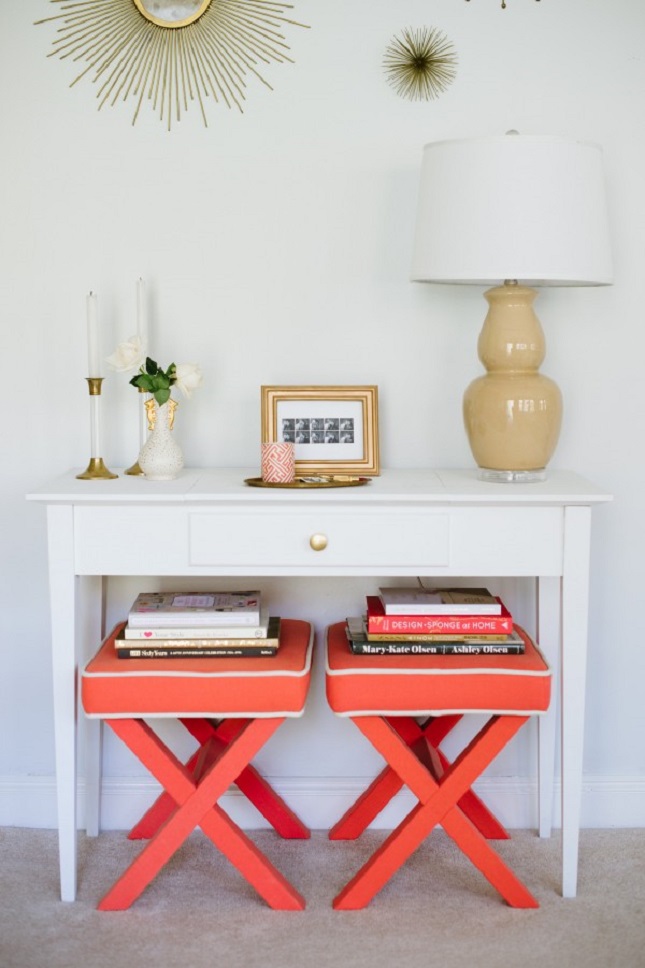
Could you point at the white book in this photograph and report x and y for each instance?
(439, 601)
(195, 609)
(152, 633)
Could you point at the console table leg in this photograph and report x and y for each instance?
(575, 604)
(548, 636)
(62, 585)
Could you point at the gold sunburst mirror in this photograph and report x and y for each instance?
(172, 53)
(167, 14)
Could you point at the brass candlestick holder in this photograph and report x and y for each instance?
(96, 469)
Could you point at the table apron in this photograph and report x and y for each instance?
(276, 540)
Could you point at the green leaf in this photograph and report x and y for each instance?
(144, 382)
(162, 395)
(151, 367)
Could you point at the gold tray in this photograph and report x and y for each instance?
(312, 480)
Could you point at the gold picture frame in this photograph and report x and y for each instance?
(334, 428)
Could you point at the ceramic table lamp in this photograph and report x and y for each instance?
(512, 212)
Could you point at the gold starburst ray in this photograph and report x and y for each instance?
(147, 66)
(192, 86)
(176, 67)
(256, 40)
(232, 52)
(97, 51)
(273, 13)
(100, 20)
(199, 81)
(86, 39)
(254, 52)
(262, 23)
(136, 67)
(127, 55)
(222, 74)
(186, 89)
(119, 58)
(158, 75)
(155, 70)
(421, 64)
(164, 75)
(245, 57)
(231, 55)
(217, 52)
(218, 84)
(123, 62)
(261, 27)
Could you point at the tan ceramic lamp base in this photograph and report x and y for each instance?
(513, 413)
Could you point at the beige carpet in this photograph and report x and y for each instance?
(437, 911)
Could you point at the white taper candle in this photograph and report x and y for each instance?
(93, 342)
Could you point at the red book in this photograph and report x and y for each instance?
(380, 623)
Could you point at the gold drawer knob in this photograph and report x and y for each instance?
(318, 542)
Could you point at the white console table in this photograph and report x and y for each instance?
(433, 523)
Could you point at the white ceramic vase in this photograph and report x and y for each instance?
(161, 457)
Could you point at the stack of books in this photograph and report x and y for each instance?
(198, 625)
(447, 621)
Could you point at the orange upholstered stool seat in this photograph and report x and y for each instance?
(405, 706)
(231, 706)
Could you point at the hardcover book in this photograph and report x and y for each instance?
(379, 623)
(361, 645)
(209, 638)
(475, 639)
(152, 633)
(439, 601)
(190, 609)
(132, 651)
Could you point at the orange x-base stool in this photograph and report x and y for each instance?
(386, 697)
(232, 706)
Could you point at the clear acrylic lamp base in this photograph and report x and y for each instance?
(494, 476)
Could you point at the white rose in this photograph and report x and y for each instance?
(129, 355)
(188, 377)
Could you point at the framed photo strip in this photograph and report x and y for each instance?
(334, 429)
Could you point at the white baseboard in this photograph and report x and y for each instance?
(607, 801)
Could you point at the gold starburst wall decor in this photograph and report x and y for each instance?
(420, 64)
(171, 53)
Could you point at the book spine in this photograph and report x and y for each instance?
(269, 628)
(430, 648)
(449, 608)
(225, 636)
(243, 645)
(188, 653)
(431, 637)
(439, 625)
(148, 622)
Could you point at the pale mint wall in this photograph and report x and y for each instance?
(275, 246)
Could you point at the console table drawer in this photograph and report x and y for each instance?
(334, 539)
(242, 539)
(350, 537)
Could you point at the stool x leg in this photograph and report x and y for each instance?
(195, 797)
(388, 783)
(439, 797)
(249, 782)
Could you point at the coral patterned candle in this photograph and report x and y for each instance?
(278, 463)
